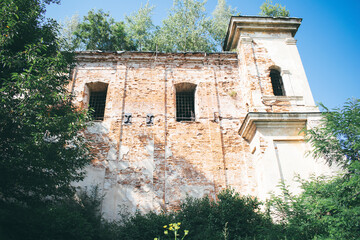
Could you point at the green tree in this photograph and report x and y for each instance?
(268, 9)
(337, 138)
(139, 27)
(99, 31)
(67, 33)
(185, 29)
(220, 22)
(42, 151)
(41, 148)
(328, 207)
(70, 218)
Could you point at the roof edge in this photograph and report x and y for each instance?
(258, 24)
(95, 55)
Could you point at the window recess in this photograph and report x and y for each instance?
(277, 83)
(97, 99)
(185, 102)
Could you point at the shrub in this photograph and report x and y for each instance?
(206, 219)
(233, 215)
(143, 226)
(326, 209)
(65, 219)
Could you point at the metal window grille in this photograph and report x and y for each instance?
(97, 103)
(185, 109)
(277, 83)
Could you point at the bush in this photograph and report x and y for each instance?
(65, 219)
(240, 215)
(232, 215)
(326, 209)
(143, 226)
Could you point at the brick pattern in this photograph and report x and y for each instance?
(168, 160)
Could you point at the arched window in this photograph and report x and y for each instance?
(97, 99)
(277, 83)
(185, 102)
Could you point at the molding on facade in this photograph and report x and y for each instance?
(240, 24)
(190, 57)
(253, 119)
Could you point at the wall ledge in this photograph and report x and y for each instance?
(248, 127)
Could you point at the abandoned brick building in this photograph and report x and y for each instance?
(168, 125)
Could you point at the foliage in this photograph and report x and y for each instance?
(99, 31)
(42, 151)
(142, 226)
(205, 219)
(232, 94)
(68, 41)
(68, 219)
(185, 29)
(337, 138)
(328, 208)
(220, 22)
(268, 9)
(140, 28)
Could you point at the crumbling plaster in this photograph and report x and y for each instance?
(153, 167)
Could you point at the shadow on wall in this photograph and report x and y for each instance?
(150, 177)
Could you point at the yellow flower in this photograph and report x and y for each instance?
(186, 232)
(165, 226)
(7, 26)
(179, 223)
(155, 238)
(166, 232)
(170, 228)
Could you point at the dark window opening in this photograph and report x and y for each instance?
(277, 83)
(185, 101)
(97, 103)
(185, 106)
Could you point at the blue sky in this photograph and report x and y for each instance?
(328, 39)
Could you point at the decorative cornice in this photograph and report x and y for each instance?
(240, 24)
(253, 119)
(196, 57)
